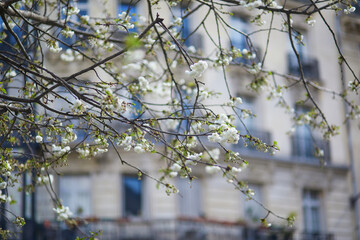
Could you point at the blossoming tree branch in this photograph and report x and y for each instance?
(131, 83)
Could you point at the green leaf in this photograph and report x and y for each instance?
(132, 42)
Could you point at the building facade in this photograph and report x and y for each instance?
(292, 182)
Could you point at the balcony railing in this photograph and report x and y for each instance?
(304, 149)
(263, 136)
(167, 229)
(317, 236)
(310, 67)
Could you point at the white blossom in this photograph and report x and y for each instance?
(235, 170)
(54, 47)
(67, 56)
(230, 135)
(173, 174)
(3, 185)
(67, 33)
(143, 84)
(139, 148)
(175, 167)
(238, 101)
(192, 49)
(63, 213)
(45, 179)
(78, 107)
(10, 74)
(212, 169)
(197, 69)
(214, 137)
(85, 18)
(60, 151)
(215, 153)
(84, 152)
(71, 10)
(38, 139)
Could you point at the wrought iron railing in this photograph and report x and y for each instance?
(173, 229)
(304, 148)
(317, 236)
(310, 67)
(250, 145)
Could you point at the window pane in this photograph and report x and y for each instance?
(190, 200)
(239, 40)
(311, 208)
(131, 12)
(75, 193)
(252, 210)
(132, 196)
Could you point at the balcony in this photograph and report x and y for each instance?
(310, 67)
(162, 229)
(263, 136)
(304, 149)
(317, 236)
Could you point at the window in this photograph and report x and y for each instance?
(75, 193)
(191, 38)
(180, 12)
(309, 65)
(124, 6)
(306, 144)
(248, 104)
(190, 198)
(312, 211)
(83, 7)
(253, 212)
(132, 196)
(238, 40)
(303, 143)
(7, 44)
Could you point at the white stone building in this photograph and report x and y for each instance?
(292, 182)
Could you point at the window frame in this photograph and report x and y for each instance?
(123, 197)
(308, 203)
(189, 193)
(77, 178)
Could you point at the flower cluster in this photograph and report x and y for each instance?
(38, 139)
(4, 198)
(143, 146)
(63, 213)
(124, 20)
(66, 32)
(59, 150)
(69, 136)
(69, 56)
(54, 46)
(111, 102)
(84, 151)
(349, 9)
(234, 102)
(144, 84)
(78, 107)
(224, 132)
(127, 143)
(10, 74)
(45, 179)
(310, 21)
(197, 69)
(70, 10)
(5, 168)
(212, 169)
